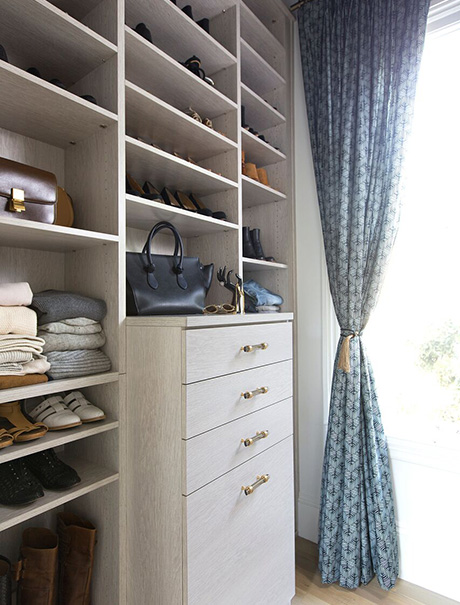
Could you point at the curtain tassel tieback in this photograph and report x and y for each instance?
(344, 356)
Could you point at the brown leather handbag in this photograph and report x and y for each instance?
(27, 192)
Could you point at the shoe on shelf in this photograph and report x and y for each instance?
(3, 55)
(257, 245)
(54, 413)
(204, 24)
(143, 31)
(6, 439)
(79, 405)
(250, 170)
(19, 486)
(51, 472)
(77, 541)
(262, 176)
(89, 98)
(206, 211)
(58, 83)
(185, 201)
(152, 192)
(188, 11)
(36, 570)
(248, 247)
(5, 581)
(16, 424)
(169, 198)
(133, 188)
(34, 71)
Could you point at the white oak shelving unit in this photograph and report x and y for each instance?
(141, 127)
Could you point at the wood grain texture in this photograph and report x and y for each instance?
(216, 402)
(257, 74)
(203, 321)
(259, 114)
(239, 545)
(218, 352)
(154, 522)
(259, 152)
(310, 590)
(201, 462)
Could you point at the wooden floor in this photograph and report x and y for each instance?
(310, 590)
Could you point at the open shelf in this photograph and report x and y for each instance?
(155, 71)
(78, 9)
(143, 214)
(252, 264)
(177, 35)
(262, 40)
(273, 15)
(260, 115)
(150, 118)
(39, 110)
(258, 151)
(57, 386)
(56, 439)
(33, 30)
(19, 233)
(256, 194)
(166, 170)
(257, 73)
(92, 478)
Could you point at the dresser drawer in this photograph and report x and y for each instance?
(238, 548)
(211, 403)
(216, 452)
(219, 351)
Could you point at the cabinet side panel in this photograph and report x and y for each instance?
(154, 507)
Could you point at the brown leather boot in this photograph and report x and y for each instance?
(77, 539)
(36, 570)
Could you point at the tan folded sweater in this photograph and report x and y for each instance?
(18, 320)
(10, 382)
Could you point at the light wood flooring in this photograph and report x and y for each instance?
(310, 590)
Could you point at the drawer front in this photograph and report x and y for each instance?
(240, 549)
(216, 452)
(218, 351)
(211, 403)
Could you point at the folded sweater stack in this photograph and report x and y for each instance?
(21, 359)
(70, 327)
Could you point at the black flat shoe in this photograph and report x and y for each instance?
(143, 31)
(50, 471)
(152, 192)
(3, 55)
(89, 98)
(204, 24)
(5, 581)
(57, 82)
(19, 486)
(34, 71)
(169, 199)
(188, 11)
(206, 211)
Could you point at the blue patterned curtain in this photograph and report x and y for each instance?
(360, 61)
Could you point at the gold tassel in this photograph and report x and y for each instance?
(344, 356)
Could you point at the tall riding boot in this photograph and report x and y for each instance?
(36, 570)
(5, 581)
(77, 539)
(248, 248)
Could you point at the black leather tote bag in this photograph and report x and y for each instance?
(165, 285)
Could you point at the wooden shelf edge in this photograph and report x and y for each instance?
(279, 194)
(258, 57)
(263, 102)
(56, 386)
(56, 438)
(263, 145)
(262, 27)
(255, 264)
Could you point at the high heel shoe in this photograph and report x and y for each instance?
(143, 31)
(152, 192)
(169, 199)
(204, 24)
(188, 11)
(133, 188)
(185, 201)
(206, 211)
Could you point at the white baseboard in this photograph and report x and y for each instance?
(307, 519)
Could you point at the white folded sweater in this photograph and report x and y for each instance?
(18, 320)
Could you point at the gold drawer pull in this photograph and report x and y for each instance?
(258, 391)
(17, 201)
(260, 480)
(257, 437)
(250, 348)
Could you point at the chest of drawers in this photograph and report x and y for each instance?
(210, 413)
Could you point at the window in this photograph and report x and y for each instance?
(413, 337)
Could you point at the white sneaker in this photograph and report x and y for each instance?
(85, 410)
(53, 412)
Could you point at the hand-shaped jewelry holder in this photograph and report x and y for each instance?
(224, 278)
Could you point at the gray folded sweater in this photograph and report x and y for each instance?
(55, 305)
(68, 364)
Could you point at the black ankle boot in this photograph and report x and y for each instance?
(143, 31)
(258, 250)
(5, 581)
(248, 248)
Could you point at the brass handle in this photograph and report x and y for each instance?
(257, 437)
(260, 480)
(258, 391)
(250, 348)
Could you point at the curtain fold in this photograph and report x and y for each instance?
(360, 61)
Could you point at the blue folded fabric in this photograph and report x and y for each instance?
(261, 295)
